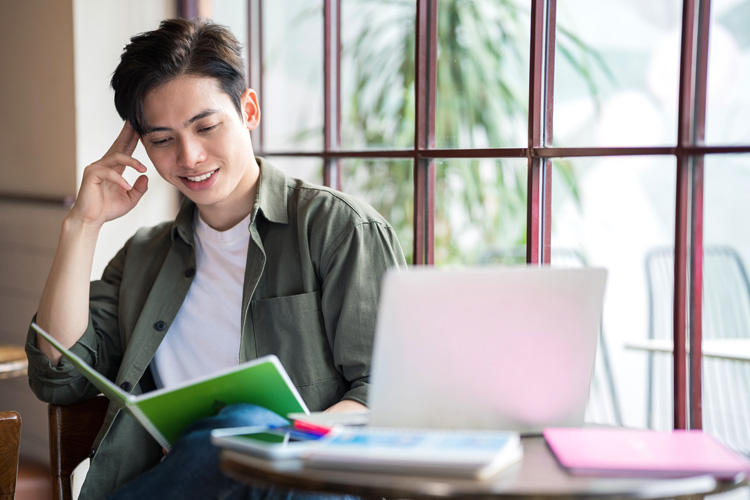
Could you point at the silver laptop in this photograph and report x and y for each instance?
(485, 348)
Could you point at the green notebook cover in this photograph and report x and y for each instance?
(263, 382)
(166, 413)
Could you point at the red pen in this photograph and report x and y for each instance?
(317, 429)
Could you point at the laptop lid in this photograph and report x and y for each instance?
(485, 348)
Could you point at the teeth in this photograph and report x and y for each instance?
(200, 177)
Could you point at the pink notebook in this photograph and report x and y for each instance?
(631, 452)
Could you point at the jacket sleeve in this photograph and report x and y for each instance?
(354, 269)
(99, 345)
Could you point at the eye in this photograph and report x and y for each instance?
(161, 142)
(208, 128)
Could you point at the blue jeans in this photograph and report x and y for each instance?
(191, 468)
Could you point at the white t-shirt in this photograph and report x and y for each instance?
(205, 335)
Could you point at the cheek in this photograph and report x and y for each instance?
(160, 160)
(238, 147)
(164, 172)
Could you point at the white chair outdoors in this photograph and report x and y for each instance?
(726, 315)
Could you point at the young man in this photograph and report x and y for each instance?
(255, 263)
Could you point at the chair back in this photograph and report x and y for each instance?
(72, 431)
(725, 315)
(10, 440)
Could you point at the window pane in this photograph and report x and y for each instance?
(616, 83)
(728, 102)
(307, 169)
(482, 73)
(387, 185)
(726, 299)
(292, 100)
(480, 210)
(377, 74)
(233, 14)
(624, 210)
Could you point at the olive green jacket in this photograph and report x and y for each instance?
(312, 279)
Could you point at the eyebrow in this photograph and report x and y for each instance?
(202, 114)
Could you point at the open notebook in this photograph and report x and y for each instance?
(165, 413)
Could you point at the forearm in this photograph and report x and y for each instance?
(63, 308)
(105, 195)
(347, 405)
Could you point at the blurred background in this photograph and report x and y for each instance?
(616, 81)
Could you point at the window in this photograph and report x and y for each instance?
(492, 131)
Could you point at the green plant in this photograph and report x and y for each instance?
(482, 95)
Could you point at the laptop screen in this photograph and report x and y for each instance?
(485, 348)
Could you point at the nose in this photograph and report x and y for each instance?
(191, 153)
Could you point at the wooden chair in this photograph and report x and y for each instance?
(10, 440)
(72, 430)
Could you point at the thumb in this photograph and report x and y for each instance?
(140, 186)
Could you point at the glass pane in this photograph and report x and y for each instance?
(387, 185)
(233, 14)
(614, 212)
(292, 94)
(480, 210)
(728, 102)
(377, 74)
(726, 300)
(307, 169)
(616, 83)
(482, 73)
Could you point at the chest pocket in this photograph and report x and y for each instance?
(292, 328)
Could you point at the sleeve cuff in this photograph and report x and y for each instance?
(358, 394)
(40, 367)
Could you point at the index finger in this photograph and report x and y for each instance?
(126, 141)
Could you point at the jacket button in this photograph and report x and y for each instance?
(189, 272)
(160, 326)
(126, 386)
(92, 453)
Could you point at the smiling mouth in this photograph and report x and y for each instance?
(200, 178)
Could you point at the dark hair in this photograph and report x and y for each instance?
(179, 47)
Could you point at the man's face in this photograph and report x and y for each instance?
(199, 143)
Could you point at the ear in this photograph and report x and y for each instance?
(250, 109)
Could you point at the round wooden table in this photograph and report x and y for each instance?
(13, 362)
(537, 476)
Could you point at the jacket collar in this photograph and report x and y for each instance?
(270, 200)
(272, 193)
